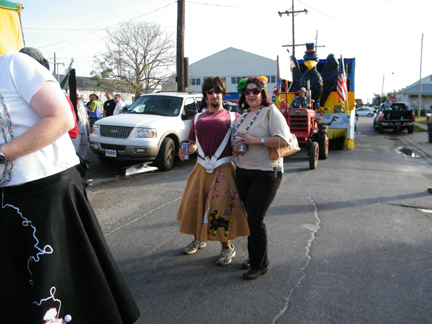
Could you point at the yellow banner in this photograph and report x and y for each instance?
(11, 38)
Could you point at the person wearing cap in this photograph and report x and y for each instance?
(81, 142)
(95, 108)
(300, 100)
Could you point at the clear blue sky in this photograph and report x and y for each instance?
(384, 36)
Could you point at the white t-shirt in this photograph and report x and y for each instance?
(118, 108)
(257, 157)
(20, 78)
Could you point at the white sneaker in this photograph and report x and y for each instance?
(226, 255)
(194, 246)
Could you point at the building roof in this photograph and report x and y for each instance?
(415, 87)
(232, 62)
(89, 84)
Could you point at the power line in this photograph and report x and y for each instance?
(105, 29)
(339, 21)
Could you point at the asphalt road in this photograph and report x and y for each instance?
(349, 242)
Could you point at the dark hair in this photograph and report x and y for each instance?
(214, 82)
(203, 104)
(242, 103)
(36, 54)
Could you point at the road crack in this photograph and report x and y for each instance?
(314, 230)
(142, 216)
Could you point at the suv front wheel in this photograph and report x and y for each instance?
(165, 158)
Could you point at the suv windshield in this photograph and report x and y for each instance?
(156, 105)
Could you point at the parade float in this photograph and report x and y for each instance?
(331, 83)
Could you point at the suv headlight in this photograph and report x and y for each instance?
(145, 132)
(95, 129)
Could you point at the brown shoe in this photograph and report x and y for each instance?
(246, 265)
(254, 274)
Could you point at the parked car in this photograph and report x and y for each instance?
(153, 128)
(397, 117)
(369, 112)
(232, 106)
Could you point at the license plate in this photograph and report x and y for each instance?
(397, 123)
(111, 153)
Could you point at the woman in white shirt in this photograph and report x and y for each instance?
(54, 261)
(260, 127)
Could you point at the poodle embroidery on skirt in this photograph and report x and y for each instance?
(217, 221)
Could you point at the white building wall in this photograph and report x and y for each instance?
(231, 63)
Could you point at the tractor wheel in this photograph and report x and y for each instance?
(323, 141)
(313, 155)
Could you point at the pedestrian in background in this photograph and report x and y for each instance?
(388, 103)
(119, 105)
(81, 143)
(109, 105)
(260, 127)
(211, 209)
(94, 109)
(54, 262)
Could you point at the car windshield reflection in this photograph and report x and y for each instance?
(156, 105)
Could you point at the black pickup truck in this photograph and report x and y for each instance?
(397, 117)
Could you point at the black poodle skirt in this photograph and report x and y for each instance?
(54, 261)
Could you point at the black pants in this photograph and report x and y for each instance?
(257, 190)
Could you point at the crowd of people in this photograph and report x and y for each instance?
(47, 224)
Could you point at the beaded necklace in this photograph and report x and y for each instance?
(6, 127)
(241, 121)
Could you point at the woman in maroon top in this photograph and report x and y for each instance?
(211, 209)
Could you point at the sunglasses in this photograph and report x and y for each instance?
(210, 92)
(254, 91)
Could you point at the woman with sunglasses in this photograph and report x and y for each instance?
(260, 127)
(211, 209)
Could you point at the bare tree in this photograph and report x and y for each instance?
(139, 54)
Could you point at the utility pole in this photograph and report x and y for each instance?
(180, 45)
(420, 90)
(56, 69)
(292, 12)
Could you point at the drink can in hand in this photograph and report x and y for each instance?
(185, 151)
(242, 147)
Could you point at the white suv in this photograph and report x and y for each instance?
(151, 129)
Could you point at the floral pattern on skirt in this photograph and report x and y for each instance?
(211, 208)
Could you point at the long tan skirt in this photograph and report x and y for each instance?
(211, 208)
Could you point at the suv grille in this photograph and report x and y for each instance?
(115, 131)
(113, 147)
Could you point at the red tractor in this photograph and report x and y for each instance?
(311, 135)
